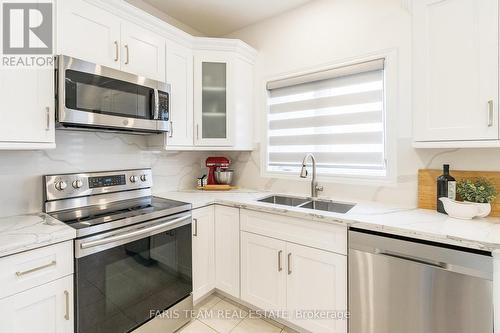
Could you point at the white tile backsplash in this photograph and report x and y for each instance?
(21, 171)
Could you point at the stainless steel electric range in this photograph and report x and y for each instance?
(132, 251)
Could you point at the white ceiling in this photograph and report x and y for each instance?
(221, 17)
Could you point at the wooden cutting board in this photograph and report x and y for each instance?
(217, 188)
(427, 186)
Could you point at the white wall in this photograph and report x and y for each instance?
(21, 171)
(165, 17)
(326, 31)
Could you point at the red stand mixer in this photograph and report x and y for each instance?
(214, 163)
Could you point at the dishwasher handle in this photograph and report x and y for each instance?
(412, 258)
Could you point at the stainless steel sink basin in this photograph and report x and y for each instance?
(328, 206)
(284, 200)
(307, 203)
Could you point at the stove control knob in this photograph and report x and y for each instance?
(134, 179)
(61, 185)
(144, 178)
(77, 184)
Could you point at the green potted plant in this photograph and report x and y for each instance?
(477, 195)
(479, 191)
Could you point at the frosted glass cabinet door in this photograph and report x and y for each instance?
(212, 97)
(214, 107)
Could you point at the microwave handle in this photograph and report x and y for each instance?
(156, 105)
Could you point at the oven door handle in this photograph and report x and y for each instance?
(136, 233)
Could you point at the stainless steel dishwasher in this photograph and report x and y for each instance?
(400, 285)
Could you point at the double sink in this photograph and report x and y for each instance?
(308, 203)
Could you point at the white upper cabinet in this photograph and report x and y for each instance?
(88, 33)
(212, 98)
(143, 52)
(27, 103)
(96, 35)
(180, 77)
(27, 116)
(455, 55)
(223, 98)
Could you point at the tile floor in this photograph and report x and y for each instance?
(219, 315)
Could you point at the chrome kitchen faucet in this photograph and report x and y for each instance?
(315, 187)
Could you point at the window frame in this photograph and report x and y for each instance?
(391, 85)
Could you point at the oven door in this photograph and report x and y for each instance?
(90, 95)
(126, 277)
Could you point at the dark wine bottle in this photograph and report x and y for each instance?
(446, 187)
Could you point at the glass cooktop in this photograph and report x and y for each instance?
(120, 213)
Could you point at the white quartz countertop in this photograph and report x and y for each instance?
(27, 232)
(482, 234)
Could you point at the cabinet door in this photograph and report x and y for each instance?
(455, 69)
(180, 78)
(316, 280)
(44, 309)
(212, 99)
(263, 272)
(27, 101)
(88, 33)
(227, 250)
(143, 52)
(203, 252)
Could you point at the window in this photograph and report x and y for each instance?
(336, 114)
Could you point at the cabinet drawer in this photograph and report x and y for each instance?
(319, 235)
(29, 269)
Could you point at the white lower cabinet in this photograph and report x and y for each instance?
(227, 250)
(44, 309)
(263, 277)
(305, 282)
(203, 252)
(316, 282)
(295, 266)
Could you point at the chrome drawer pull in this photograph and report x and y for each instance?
(116, 51)
(29, 271)
(280, 267)
(289, 263)
(490, 113)
(66, 296)
(195, 233)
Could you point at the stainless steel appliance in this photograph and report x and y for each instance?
(400, 285)
(91, 96)
(132, 251)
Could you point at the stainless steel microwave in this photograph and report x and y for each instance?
(95, 97)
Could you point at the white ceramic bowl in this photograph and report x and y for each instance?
(465, 210)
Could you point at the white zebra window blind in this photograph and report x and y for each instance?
(338, 115)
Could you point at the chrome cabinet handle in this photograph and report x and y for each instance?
(47, 119)
(195, 232)
(289, 263)
(280, 267)
(117, 51)
(171, 133)
(66, 296)
(197, 132)
(33, 270)
(490, 113)
(133, 234)
(127, 60)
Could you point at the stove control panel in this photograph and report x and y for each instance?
(83, 184)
